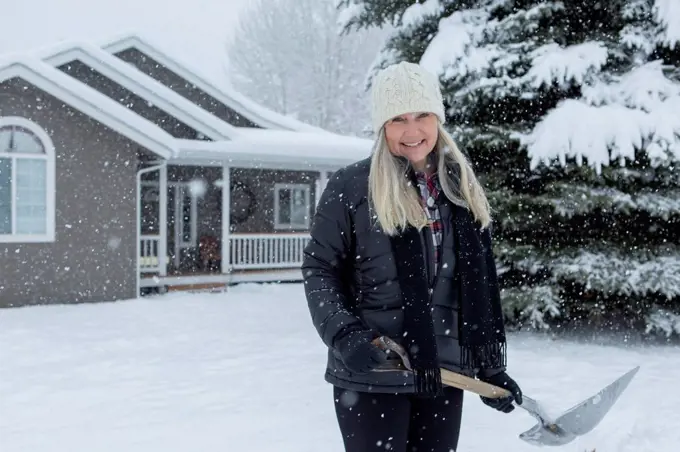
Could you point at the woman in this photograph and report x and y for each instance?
(401, 249)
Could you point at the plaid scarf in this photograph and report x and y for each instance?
(429, 192)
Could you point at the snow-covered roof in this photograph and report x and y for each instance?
(284, 149)
(229, 97)
(89, 101)
(140, 84)
(315, 149)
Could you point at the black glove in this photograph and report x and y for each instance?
(503, 404)
(359, 354)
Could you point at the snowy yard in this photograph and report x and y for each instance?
(243, 371)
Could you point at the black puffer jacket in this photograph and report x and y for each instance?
(351, 282)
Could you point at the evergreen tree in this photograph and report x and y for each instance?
(570, 111)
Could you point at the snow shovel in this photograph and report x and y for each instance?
(575, 422)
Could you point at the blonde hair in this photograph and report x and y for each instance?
(397, 205)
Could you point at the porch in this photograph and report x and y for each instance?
(210, 225)
(252, 258)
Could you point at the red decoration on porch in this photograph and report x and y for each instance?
(209, 251)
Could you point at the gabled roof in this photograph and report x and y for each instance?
(231, 98)
(88, 101)
(140, 84)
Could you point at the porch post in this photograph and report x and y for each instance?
(321, 185)
(163, 220)
(226, 220)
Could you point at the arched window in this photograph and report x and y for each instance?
(26, 182)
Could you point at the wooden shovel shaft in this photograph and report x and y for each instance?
(449, 378)
(478, 387)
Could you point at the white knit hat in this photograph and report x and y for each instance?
(404, 88)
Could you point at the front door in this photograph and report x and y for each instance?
(182, 223)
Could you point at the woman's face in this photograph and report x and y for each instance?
(412, 136)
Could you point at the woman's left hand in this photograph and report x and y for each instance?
(503, 404)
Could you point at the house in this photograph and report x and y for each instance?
(123, 171)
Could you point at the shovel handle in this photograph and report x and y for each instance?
(478, 387)
(449, 378)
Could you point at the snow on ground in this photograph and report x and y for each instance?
(243, 371)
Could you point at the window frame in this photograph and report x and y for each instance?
(307, 191)
(50, 182)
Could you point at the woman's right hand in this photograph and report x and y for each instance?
(359, 354)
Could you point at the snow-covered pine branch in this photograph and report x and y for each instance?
(540, 306)
(358, 14)
(613, 272)
(536, 306)
(567, 201)
(470, 44)
(349, 13)
(418, 12)
(565, 66)
(616, 116)
(601, 135)
(456, 35)
(662, 321)
(668, 15)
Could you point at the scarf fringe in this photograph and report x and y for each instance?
(488, 356)
(428, 382)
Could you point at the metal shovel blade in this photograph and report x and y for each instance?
(540, 435)
(580, 419)
(546, 432)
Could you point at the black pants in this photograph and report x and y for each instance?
(399, 422)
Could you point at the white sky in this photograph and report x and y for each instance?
(195, 31)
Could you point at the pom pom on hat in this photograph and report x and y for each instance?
(404, 88)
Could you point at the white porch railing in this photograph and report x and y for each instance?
(247, 251)
(264, 251)
(149, 248)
